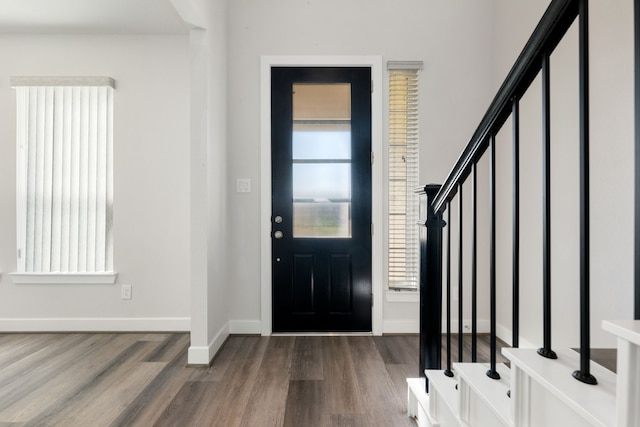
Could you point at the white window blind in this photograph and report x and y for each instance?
(403, 174)
(64, 174)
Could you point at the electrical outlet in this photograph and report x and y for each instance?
(125, 292)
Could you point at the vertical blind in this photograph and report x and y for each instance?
(403, 174)
(64, 175)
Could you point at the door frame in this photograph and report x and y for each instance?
(377, 212)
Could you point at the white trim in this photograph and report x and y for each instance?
(62, 81)
(245, 327)
(64, 278)
(412, 326)
(405, 65)
(133, 324)
(483, 325)
(377, 119)
(506, 335)
(401, 326)
(628, 330)
(201, 355)
(322, 334)
(403, 296)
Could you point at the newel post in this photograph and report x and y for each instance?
(430, 224)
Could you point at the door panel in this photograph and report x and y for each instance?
(303, 284)
(341, 286)
(321, 198)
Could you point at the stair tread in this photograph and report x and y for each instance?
(493, 392)
(595, 403)
(626, 329)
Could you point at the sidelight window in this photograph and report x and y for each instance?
(403, 174)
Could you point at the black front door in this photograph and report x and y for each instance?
(321, 199)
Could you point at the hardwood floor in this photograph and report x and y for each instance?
(143, 380)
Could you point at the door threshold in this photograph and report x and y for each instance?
(321, 334)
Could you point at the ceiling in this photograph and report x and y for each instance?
(90, 17)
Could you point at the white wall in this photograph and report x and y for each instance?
(151, 183)
(218, 214)
(452, 38)
(163, 177)
(611, 175)
(208, 148)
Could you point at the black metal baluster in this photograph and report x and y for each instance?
(448, 371)
(460, 232)
(492, 372)
(584, 374)
(546, 209)
(430, 354)
(636, 6)
(474, 265)
(515, 111)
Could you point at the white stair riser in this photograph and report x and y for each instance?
(535, 406)
(441, 412)
(474, 411)
(628, 385)
(418, 403)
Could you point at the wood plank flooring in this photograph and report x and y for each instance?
(143, 380)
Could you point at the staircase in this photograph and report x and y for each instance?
(537, 387)
(535, 391)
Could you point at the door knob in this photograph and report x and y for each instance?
(277, 219)
(278, 234)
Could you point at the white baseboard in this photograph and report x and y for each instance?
(411, 326)
(133, 324)
(198, 355)
(506, 335)
(402, 297)
(245, 327)
(203, 355)
(483, 326)
(401, 326)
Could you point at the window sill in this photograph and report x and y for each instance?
(403, 296)
(64, 278)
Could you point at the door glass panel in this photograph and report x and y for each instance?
(322, 182)
(328, 141)
(322, 219)
(321, 156)
(322, 101)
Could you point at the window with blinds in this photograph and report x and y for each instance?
(403, 174)
(64, 174)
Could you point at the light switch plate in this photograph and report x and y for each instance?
(243, 185)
